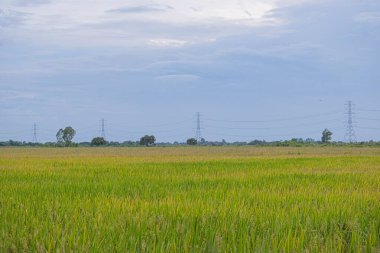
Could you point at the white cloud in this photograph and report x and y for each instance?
(141, 22)
(178, 78)
(168, 11)
(16, 95)
(9, 18)
(368, 17)
(167, 43)
(142, 9)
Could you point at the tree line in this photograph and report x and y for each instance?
(65, 137)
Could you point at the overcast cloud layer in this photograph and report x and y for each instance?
(288, 67)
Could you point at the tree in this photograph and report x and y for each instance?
(309, 140)
(65, 135)
(147, 140)
(326, 135)
(191, 141)
(98, 141)
(59, 136)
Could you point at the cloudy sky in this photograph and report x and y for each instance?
(254, 69)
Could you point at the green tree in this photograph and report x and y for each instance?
(191, 141)
(326, 135)
(59, 136)
(98, 141)
(147, 140)
(65, 135)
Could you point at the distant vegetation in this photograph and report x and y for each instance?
(98, 141)
(326, 136)
(148, 140)
(65, 136)
(295, 142)
(65, 139)
(191, 141)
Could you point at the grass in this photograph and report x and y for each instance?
(227, 199)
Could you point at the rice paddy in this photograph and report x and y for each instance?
(190, 199)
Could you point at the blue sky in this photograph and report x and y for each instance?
(258, 69)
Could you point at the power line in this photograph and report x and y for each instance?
(276, 127)
(174, 128)
(264, 136)
(144, 132)
(272, 120)
(370, 128)
(160, 125)
(368, 110)
(368, 119)
(350, 132)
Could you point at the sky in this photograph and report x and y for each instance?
(254, 69)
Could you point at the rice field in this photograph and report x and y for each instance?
(190, 199)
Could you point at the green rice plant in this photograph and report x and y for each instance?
(227, 199)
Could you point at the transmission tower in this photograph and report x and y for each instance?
(350, 132)
(35, 133)
(198, 134)
(103, 129)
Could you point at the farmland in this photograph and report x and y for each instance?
(190, 199)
